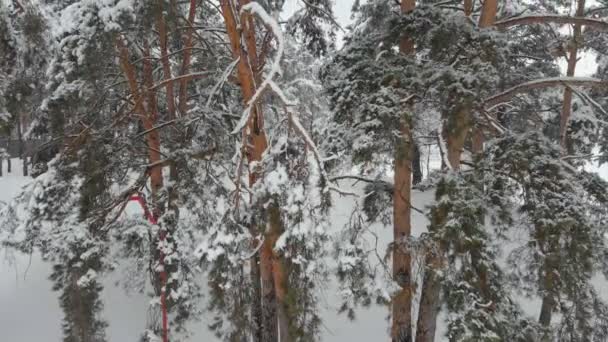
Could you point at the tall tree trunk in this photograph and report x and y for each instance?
(146, 108)
(154, 146)
(268, 300)
(183, 86)
(22, 148)
(429, 303)
(280, 274)
(402, 261)
(548, 303)
(550, 282)
(487, 19)
(488, 13)
(256, 309)
(455, 131)
(81, 305)
(254, 138)
(430, 297)
(161, 27)
(156, 184)
(572, 57)
(148, 119)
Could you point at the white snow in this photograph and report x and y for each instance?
(27, 299)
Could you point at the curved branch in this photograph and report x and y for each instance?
(544, 83)
(551, 19)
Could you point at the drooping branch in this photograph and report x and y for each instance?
(551, 19)
(544, 83)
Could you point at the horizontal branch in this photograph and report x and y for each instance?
(197, 155)
(544, 83)
(377, 184)
(148, 131)
(358, 178)
(180, 78)
(551, 19)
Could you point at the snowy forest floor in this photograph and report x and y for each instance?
(30, 311)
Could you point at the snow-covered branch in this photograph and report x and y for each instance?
(551, 19)
(275, 69)
(221, 81)
(180, 78)
(544, 83)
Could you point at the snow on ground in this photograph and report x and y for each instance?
(30, 312)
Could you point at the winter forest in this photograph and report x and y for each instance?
(303, 170)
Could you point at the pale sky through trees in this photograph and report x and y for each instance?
(342, 11)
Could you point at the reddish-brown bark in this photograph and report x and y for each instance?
(146, 108)
(401, 330)
(254, 138)
(161, 26)
(402, 260)
(488, 13)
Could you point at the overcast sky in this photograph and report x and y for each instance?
(341, 9)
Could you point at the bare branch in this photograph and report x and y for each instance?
(180, 78)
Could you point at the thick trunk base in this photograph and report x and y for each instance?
(429, 305)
